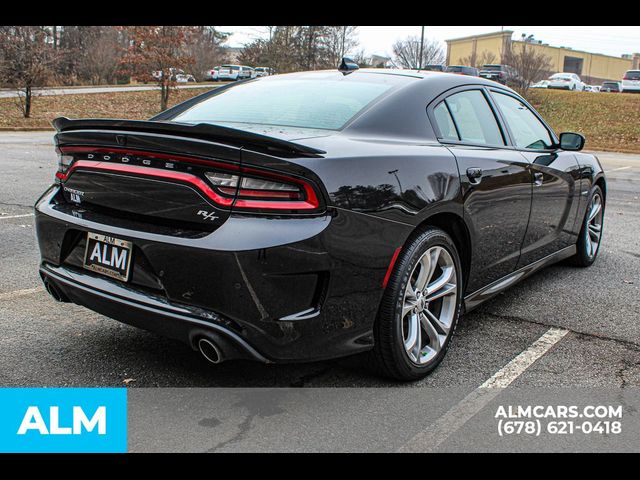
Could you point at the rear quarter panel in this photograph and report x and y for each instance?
(397, 181)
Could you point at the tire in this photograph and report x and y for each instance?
(391, 356)
(586, 254)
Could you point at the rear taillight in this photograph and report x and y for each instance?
(64, 163)
(254, 189)
(225, 184)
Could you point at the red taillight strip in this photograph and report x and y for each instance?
(150, 172)
(310, 203)
(260, 193)
(390, 267)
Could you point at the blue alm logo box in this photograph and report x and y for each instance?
(63, 420)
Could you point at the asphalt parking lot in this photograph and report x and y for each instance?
(44, 343)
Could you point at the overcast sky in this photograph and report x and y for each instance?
(375, 39)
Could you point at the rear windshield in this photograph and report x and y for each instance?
(231, 67)
(455, 69)
(610, 84)
(633, 75)
(291, 102)
(493, 68)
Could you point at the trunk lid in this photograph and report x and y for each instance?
(161, 172)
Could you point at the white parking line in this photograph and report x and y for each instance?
(6, 217)
(512, 370)
(617, 169)
(430, 439)
(20, 293)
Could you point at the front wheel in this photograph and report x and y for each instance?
(590, 236)
(419, 309)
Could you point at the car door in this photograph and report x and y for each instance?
(556, 179)
(495, 182)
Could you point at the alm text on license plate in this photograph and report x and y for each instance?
(108, 256)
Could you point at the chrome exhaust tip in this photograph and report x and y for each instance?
(209, 350)
(57, 295)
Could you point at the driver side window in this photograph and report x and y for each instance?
(527, 130)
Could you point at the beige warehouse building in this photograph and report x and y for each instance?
(593, 68)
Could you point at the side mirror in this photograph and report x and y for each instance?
(571, 141)
(347, 66)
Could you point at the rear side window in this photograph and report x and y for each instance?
(527, 130)
(474, 118)
(445, 123)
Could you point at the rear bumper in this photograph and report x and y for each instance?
(274, 289)
(148, 312)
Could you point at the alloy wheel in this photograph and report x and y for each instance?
(429, 305)
(594, 225)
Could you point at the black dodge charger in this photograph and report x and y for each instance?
(315, 215)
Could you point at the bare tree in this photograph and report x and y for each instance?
(205, 49)
(91, 54)
(256, 53)
(282, 48)
(294, 48)
(101, 57)
(27, 59)
(530, 62)
(361, 59)
(311, 39)
(155, 53)
(339, 41)
(280, 52)
(407, 53)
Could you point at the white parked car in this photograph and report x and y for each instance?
(184, 78)
(262, 71)
(566, 81)
(611, 87)
(234, 72)
(631, 81)
(177, 75)
(540, 84)
(212, 75)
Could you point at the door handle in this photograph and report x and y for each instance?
(537, 178)
(475, 175)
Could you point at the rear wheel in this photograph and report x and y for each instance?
(590, 236)
(419, 309)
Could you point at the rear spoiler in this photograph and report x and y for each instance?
(204, 131)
